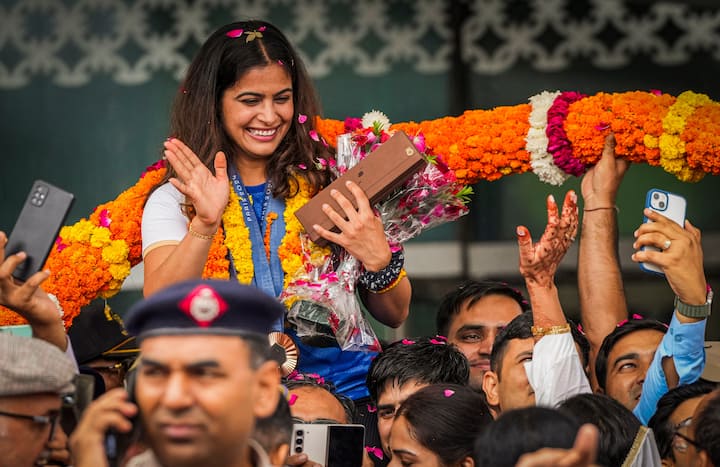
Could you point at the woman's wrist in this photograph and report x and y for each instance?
(387, 277)
(201, 230)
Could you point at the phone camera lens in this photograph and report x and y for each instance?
(299, 441)
(298, 449)
(299, 432)
(656, 196)
(661, 204)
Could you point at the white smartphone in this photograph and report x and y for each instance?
(670, 205)
(333, 445)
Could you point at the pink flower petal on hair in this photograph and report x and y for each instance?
(262, 28)
(371, 408)
(314, 135)
(293, 398)
(637, 316)
(437, 342)
(448, 392)
(280, 62)
(302, 118)
(234, 33)
(375, 451)
(302, 166)
(407, 342)
(657, 92)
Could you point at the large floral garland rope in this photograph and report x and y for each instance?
(556, 135)
(560, 134)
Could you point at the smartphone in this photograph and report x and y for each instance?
(333, 445)
(37, 226)
(117, 444)
(670, 205)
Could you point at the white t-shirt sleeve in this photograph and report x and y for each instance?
(555, 371)
(163, 222)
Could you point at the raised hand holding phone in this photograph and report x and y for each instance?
(37, 226)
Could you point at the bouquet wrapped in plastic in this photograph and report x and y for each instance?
(321, 299)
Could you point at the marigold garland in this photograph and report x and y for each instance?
(94, 256)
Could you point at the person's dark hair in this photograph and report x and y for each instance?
(422, 360)
(707, 432)
(274, 431)
(519, 328)
(196, 116)
(467, 294)
(618, 333)
(259, 350)
(446, 419)
(520, 431)
(617, 425)
(301, 380)
(660, 421)
(582, 342)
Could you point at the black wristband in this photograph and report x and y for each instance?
(377, 281)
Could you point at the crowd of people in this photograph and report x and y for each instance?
(190, 377)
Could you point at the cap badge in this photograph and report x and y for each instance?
(203, 305)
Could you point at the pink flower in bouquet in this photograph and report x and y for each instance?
(419, 142)
(352, 124)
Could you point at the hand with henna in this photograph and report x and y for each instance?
(539, 261)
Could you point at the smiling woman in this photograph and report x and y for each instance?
(244, 155)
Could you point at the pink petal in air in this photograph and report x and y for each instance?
(302, 118)
(314, 135)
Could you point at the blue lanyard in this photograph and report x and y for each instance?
(269, 276)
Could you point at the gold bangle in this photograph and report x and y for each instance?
(197, 234)
(617, 209)
(537, 331)
(394, 283)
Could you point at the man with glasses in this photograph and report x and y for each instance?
(673, 415)
(700, 438)
(33, 377)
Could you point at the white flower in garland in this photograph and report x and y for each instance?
(375, 118)
(541, 161)
(55, 300)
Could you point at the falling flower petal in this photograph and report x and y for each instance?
(657, 92)
(602, 126)
(302, 118)
(314, 135)
(371, 408)
(293, 398)
(448, 392)
(234, 33)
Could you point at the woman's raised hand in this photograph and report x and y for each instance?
(208, 193)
